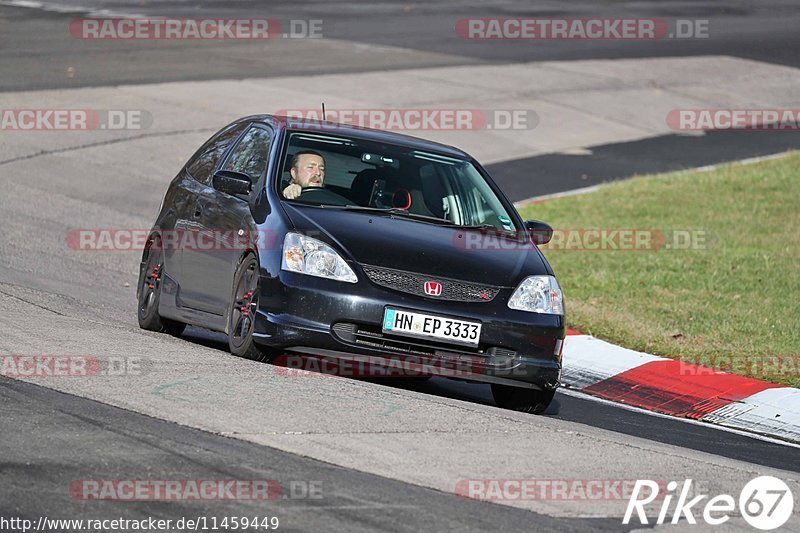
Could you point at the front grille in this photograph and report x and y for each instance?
(374, 337)
(413, 283)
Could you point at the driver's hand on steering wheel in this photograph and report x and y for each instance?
(292, 191)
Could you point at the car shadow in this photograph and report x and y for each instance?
(479, 393)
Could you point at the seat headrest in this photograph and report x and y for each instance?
(361, 188)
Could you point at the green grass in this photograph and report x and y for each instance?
(737, 296)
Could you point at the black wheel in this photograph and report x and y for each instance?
(524, 400)
(150, 292)
(242, 313)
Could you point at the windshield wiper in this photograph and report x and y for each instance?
(394, 211)
(488, 227)
(416, 216)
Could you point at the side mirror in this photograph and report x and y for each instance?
(232, 182)
(541, 233)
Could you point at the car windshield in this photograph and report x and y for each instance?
(352, 173)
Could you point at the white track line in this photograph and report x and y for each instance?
(747, 161)
(571, 192)
(593, 188)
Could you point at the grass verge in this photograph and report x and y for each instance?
(719, 283)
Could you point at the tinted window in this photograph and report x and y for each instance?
(362, 172)
(251, 154)
(205, 160)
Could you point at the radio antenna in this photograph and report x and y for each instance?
(323, 113)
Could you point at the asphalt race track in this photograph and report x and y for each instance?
(384, 455)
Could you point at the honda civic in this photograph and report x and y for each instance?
(315, 238)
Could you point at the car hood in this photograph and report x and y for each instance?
(403, 244)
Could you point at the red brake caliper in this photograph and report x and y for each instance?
(154, 277)
(245, 309)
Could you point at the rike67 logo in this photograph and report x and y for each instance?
(766, 503)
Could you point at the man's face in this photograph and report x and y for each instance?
(309, 172)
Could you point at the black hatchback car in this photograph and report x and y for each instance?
(343, 242)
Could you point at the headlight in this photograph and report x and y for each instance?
(538, 294)
(315, 258)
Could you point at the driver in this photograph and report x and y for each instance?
(308, 170)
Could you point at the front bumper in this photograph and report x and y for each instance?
(328, 318)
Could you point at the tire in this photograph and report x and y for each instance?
(241, 313)
(524, 400)
(150, 292)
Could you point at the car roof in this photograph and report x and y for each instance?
(316, 126)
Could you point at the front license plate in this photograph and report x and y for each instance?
(428, 326)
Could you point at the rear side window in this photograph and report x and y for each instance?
(202, 165)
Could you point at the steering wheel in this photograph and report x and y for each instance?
(323, 196)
